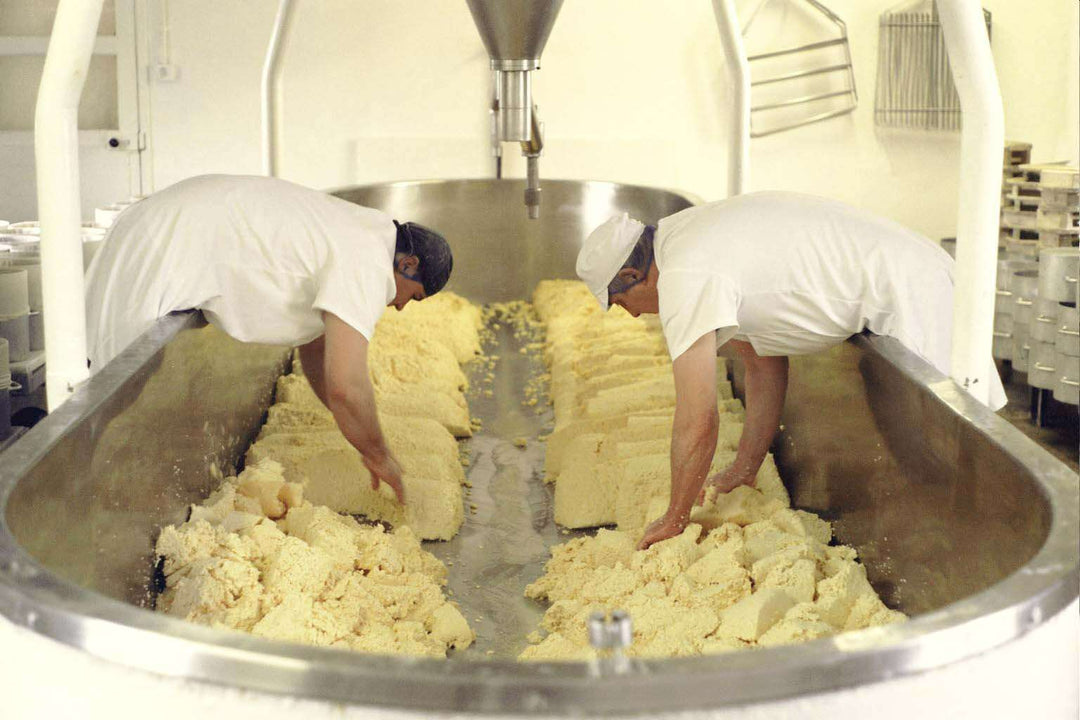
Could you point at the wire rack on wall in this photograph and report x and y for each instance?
(915, 86)
(800, 84)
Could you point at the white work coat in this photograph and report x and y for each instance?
(261, 257)
(794, 274)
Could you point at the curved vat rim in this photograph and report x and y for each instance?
(34, 597)
(692, 198)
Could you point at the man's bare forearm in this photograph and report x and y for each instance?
(766, 385)
(312, 358)
(693, 432)
(693, 442)
(356, 416)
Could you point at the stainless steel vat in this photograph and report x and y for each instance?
(962, 521)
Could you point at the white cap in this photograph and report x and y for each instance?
(604, 253)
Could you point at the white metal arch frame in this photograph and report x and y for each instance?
(271, 82)
(56, 157)
(738, 67)
(57, 161)
(982, 138)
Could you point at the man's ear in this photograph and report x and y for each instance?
(629, 275)
(408, 264)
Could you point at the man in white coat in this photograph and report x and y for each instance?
(268, 261)
(772, 274)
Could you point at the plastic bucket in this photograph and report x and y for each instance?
(1059, 269)
(31, 263)
(1068, 335)
(5, 391)
(1067, 387)
(16, 330)
(36, 321)
(5, 407)
(106, 216)
(1042, 362)
(14, 291)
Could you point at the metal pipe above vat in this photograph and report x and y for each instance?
(514, 33)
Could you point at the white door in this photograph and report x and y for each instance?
(110, 137)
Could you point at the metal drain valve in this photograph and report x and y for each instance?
(610, 634)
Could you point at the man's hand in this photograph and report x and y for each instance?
(388, 471)
(666, 527)
(724, 482)
(693, 435)
(766, 383)
(351, 399)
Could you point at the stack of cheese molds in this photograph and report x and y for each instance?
(1039, 209)
(415, 363)
(748, 571)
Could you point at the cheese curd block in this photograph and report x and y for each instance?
(447, 411)
(751, 617)
(418, 386)
(445, 318)
(422, 361)
(435, 462)
(700, 592)
(645, 487)
(314, 576)
(333, 474)
(585, 495)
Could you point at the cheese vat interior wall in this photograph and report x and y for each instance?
(961, 521)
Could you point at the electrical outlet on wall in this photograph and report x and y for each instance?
(164, 73)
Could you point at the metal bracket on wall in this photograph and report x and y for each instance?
(802, 65)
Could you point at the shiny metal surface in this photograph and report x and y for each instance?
(514, 32)
(515, 104)
(961, 520)
(152, 426)
(497, 255)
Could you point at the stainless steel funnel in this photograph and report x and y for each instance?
(514, 33)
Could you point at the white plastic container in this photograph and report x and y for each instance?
(5, 407)
(1003, 303)
(29, 227)
(1025, 283)
(106, 216)
(1059, 271)
(1067, 386)
(1043, 328)
(1003, 345)
(1023, 311)
(1007, 265)
(1042, 365)
(16, 330)
(5, 391)
(1068, 335)
(14, 292)
(31, 263)
(1020, 348)
(36, 322)
(1046, 307)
